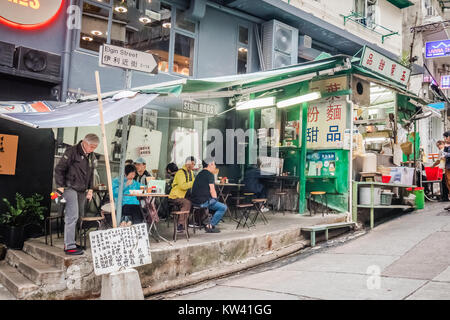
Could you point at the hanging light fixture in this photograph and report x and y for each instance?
(96, 33)
(167, 25)
(87, 38)
(145, 19)
(255, 103)
(121, 8)
(300, 99)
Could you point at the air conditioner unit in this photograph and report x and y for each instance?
(361, 92)
(7, 54)
(37, 62)
(280, 44)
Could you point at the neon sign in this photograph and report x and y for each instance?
(29, 14)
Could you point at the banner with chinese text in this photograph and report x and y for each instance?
(327, 120)
(378, 63)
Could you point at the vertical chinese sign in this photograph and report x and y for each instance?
(327, 118)
(8, 154)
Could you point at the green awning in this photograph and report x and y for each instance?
(401, 3)
(236, 84)
(388, 83)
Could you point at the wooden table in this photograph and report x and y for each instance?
(149, 198)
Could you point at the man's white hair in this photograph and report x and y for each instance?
(92, 138)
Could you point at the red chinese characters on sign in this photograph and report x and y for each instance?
(333, 87)
(334, 112)
(403, 78)
(393, 67)
(370, 59)
(313, 114)
(382, 65)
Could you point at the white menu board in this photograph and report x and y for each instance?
(327, 119)
(120, 248)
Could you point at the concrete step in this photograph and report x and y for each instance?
(53, 256)
(38, 272)
(15, 282)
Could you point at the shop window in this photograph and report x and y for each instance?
(183, 23)
(242, 54)
(366, 10)
(183, 59)
(94, 26)
(134, 30)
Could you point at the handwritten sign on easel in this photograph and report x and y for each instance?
(120, 248)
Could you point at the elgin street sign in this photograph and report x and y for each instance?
(119, 57)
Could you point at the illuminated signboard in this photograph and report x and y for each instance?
(436, 49)
(29, 14)
(445, 82)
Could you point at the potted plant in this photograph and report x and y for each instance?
(15, 218)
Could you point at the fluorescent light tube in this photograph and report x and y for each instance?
(300, 99)
(256, 103)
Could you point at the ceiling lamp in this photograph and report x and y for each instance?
(255, 103)
(300, 99)
(167, 25)
(96, 33)
(121, 8)
(145, 19)
(87, 38)
(242, 49)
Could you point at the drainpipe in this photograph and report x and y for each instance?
(66, 71)
(66, 59)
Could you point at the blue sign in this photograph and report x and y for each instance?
(437, 105)
(437, 49)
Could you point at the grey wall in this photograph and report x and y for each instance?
(217, 51)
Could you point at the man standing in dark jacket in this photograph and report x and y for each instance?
(74, 175)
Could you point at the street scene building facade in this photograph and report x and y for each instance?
(326, 111)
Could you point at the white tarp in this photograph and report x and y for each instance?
(85, 114)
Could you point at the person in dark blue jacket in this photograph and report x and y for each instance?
(253, 182)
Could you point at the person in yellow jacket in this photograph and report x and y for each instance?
(182, 184)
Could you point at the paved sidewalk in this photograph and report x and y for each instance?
(405, 258)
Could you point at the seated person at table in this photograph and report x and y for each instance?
(182, 182)
(141, 171)
(204, 194)
(253, 184)
(130, 205)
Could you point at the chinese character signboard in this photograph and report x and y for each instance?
(120, 248)
(384, 66)
(127, 59)
(445, 82)
(327, 120)
(329, 85)
(436, 49)
(198, 107)
(8, 154)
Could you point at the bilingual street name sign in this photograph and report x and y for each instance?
(435, 49)
(114, 56)
(382, 65)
